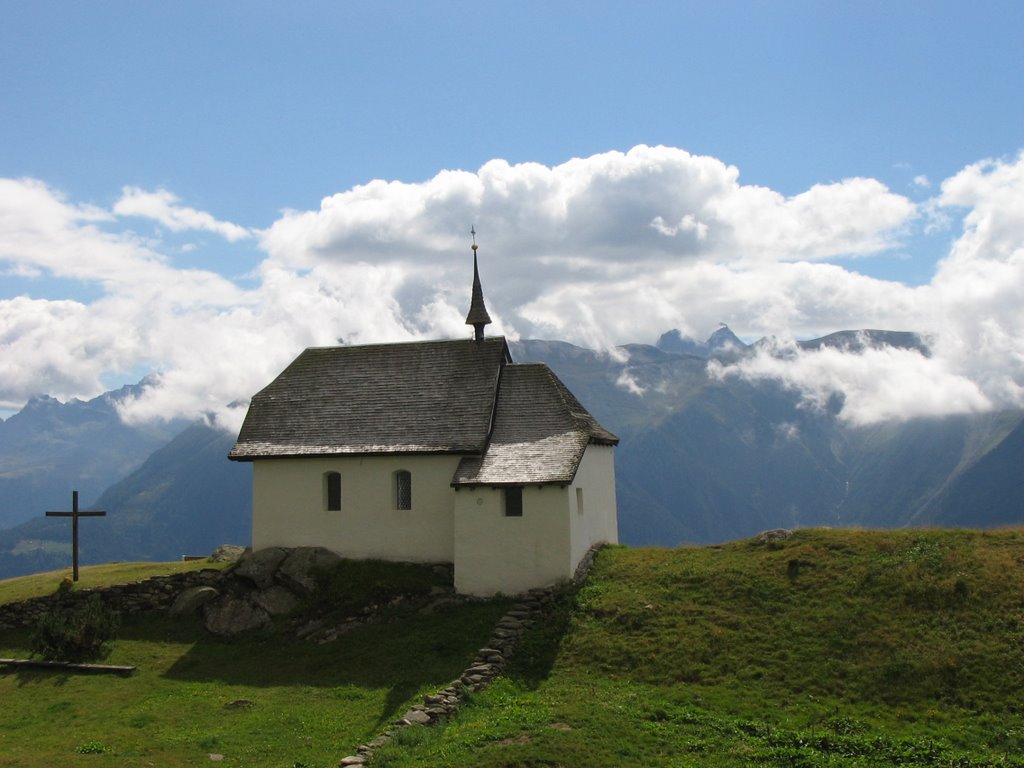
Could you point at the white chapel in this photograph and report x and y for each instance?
(435, 451)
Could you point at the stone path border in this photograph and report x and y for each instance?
(488, 664)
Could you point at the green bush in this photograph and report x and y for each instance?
(75, 634)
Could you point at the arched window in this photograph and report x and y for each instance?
(332, 491)
(403, 489)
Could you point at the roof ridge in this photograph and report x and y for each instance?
(424, 342)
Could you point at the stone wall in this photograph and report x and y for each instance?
(154, 594)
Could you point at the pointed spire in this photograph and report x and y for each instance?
(477, 316)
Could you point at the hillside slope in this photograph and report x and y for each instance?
(829, 648)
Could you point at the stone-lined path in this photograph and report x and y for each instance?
(488, 664)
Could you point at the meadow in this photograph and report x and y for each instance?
(827, 648)
(830, 648)
(267, 699)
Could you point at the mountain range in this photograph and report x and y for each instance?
(702, 459)
(49, 448)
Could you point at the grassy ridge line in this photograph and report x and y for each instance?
(41, 584)
(831, 648)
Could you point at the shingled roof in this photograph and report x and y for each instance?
(418, 397)
(540, 433)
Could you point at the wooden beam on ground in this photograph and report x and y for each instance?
(68, 666)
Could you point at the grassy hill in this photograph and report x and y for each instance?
(267, 699)
(829, 648)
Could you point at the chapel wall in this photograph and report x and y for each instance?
(290, 507)
(495, 553)
(594, 485)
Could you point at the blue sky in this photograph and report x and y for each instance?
(136, 135)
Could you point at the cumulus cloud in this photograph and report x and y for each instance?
(164, 207)
(972, 309)
(618, 247)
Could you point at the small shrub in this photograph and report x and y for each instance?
(75, 634)
(91, 748)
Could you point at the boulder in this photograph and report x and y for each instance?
(228, 615)
(227, 553)
(260, 566)
(304, 566)
(275, 600)
(774, 535)
(191, 600)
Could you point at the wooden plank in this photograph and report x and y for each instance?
(68, 666)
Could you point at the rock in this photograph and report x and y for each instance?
(776, 534)
(260, 566)
(191, 600)
(305, 566)
(227, 553)
(352, 760)
(416, 717)
(275, 600)
(228, 615)
(239, 704)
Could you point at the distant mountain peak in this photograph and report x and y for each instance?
(723, 342)
(41, 401)
(724, 338)
(679, 343)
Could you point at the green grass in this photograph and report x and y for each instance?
(41, 584)
(832, 648)
(303, 704)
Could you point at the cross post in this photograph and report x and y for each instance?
(74, 514)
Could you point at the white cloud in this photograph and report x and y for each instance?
(162, 206)
(872, 386)
(613, 248)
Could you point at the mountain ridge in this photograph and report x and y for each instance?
(702, 459)
(49, 448)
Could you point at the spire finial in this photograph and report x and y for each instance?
(477, 316)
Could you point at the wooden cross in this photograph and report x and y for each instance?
(74, 514)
